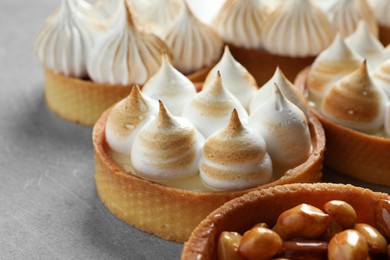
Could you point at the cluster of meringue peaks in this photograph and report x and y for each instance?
(349, 83)
(108, 43)
(209, 137)
(295, 28)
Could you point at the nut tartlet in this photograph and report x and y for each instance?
(172, 213)
(265, 206)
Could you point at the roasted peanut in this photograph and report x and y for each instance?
(260, 243)
(382, 217)
(228, 243)
(302, 221)
(348, 244)
(375, 240)
(304, 249)
(264, 225)
(341, 212)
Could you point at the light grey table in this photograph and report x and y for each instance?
(49, 208)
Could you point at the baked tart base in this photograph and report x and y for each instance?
(264, 206)
(173, 213)
(262, 64)
(356, 154)
(83, 101)
(384, 34)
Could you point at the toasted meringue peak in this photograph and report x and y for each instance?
(167, 148)
(363, 42)
(210, 109)
(332, 64)
(125, 55)
(171, 86)
(288, 89)
(345, 15)
(235, 158)
(194, 44)
(126, 119)
(62, 44)
(355, 102)
(235, 78)
(381, 77)
(297, 29)
(241, 22)
(381, 9)
(285, 130)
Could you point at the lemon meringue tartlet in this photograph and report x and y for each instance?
(260, 38)
(353, 107)
(279, 209)
(171, 175)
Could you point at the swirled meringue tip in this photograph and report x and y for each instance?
(210, 109)
(126, 119)
(234, 158)
(285, 130)
(125, 55)
(363, 42)
(381, 11)
(333, 63)
(297, 29)
(288, 89)
(194, 45)
(241, 22)
(346, 14)
(171, 86)
(355, 102)
(62, 43)
(166, 148)
(235, 77)
(381, 76)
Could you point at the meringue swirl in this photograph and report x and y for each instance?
(296, 28)
(381, 76)
(166, 148)
(381, 11)
(241, 22)
(235, 158)
(170, 86)
(194, 44)
(125, 55)
(62, 44)
(235, 78)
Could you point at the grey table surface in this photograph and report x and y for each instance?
(49, 208)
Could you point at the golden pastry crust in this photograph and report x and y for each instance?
(264, 206)
(384, 34)
(172, 213)
(262, 64)
(359, 155)
(83, 101)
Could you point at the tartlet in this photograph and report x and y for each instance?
(173, 213)
(357, 154)
(264, 206)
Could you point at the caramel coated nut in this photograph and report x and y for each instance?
(228, 243)
(375, 240)
(302, 221)
(304, 249)
(260, 243)
(348, 244)
(341, 212)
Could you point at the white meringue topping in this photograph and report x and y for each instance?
(356, 102)
(363, 42)
(241, 22)
(345, 15)
(167, 148)
(381, 9)
(194, 45)
(235, 158)
(210, 109)
(387, 119)
(126, 119)
(285, 130)
(62, 44)
(296, 28)
(287, 88)
(170, 86)
(381, 77)
(332, 64)
(235, 78)
(125, 55)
